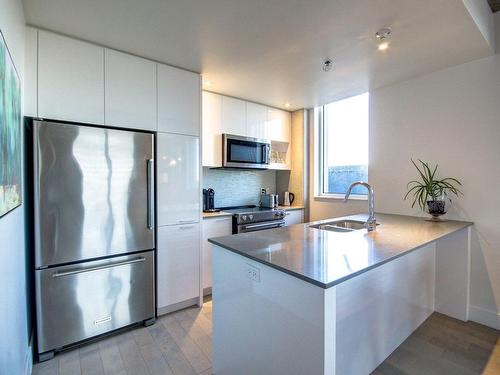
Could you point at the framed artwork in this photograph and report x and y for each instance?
(10, 133)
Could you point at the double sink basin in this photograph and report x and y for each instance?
(340, 225)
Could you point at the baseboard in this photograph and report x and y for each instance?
(486, 317)
(177, 306)
(28, 361)
(207, 291)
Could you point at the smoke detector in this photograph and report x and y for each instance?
(384, 33)
(327, 65)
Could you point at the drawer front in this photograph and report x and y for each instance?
(80, 301)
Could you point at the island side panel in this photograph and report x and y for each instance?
(265, 321)
(377, 310)
(453, 255)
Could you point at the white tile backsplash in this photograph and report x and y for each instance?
(238, 187)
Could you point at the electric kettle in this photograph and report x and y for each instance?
(287, 198)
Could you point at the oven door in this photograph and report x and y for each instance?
(245, 228)
(245, 152)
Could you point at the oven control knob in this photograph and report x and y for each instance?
(244, 217)
(250, 217)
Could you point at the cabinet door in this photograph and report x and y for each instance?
(212, 129)
(278, 125)
(233, 116)
(130, 91)
(178, 179)
(178, 266)
(256, 120)
(70, 79)
(178, 101)
(294, 217)
(212, 227)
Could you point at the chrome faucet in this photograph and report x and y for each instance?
(371, 223)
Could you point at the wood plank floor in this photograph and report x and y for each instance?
(180, 344)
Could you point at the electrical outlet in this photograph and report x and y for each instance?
(253, 273)
(262, 191)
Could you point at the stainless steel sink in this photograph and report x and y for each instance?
(341, 225)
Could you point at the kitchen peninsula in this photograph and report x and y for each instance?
(299, 300)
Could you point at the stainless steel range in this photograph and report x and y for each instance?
(252, 218)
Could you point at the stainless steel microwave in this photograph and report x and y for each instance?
(245, 152)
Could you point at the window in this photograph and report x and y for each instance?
(343, 146)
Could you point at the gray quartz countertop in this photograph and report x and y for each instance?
(327, 258)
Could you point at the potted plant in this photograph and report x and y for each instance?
(431, 193)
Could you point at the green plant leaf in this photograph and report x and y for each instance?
(430, 187)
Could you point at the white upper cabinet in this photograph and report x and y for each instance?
(233, 116)
(222, 114)
(256, 120)
(130, 91)
(178, 101)
(212, 129)
(70, 79)
(278, 125)
(178, 179)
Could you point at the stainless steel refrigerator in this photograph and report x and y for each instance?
(94, 231)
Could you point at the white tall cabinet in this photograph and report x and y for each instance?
(130, 91)
(70, 79)
(178, 190)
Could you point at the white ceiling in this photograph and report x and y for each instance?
(271, 51)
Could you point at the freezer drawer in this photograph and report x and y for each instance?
(79, 301)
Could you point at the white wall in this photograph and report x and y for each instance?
(451, 117)
(14, 334)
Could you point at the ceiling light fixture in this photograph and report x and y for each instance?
(383, 46)
(287, 105)
(327, 65)
(207, 83)
(383, 35)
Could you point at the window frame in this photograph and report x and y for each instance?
(319, 164)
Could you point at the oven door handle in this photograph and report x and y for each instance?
(274, 224)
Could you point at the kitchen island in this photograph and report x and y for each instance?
(301, 300)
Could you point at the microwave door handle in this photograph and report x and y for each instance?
(267, 150)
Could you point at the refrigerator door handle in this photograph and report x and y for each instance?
(90, 269)
(150, 187)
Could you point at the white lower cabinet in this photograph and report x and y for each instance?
(178, 264)
(294, 217)
(212, 227)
